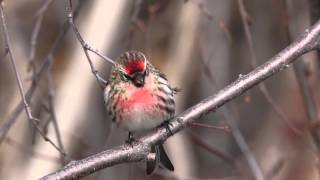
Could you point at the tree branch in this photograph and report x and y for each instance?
(19, 81)
(310, 105)
(35, 34)
(52, 109)
(262, 87)
(236, 133)
(7, 124)
(86, 48)
(141, 150)
(221, 154)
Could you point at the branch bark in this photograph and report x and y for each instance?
(262, 86)
(310, 105)
(141, 150)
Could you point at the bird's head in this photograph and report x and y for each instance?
(134, 67)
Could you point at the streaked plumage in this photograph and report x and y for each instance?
(139, 97)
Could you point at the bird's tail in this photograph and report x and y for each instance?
(162, 157)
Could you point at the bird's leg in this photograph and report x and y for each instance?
(167, 124)
(130, 139)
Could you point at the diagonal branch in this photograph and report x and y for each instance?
(87, 48)
(236, 133)
(262, 87)
(310, 105)
(141, 150)
(7, 124)
(52, 110)
(221, 154)
(35, 33)
(32, 55)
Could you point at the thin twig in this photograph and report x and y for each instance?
(87, 48)
(27, 150)
(199, 141)
(7, 124)
(33, 120)
(236, 133)
(33, 44)
(140, 150)
(52, 109)
(35, 33)
(262, 86)
(224, 128)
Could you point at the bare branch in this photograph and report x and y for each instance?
(253, 164)
(33, 44)
(35, 33)
(236, 133)
(224, 128)
(140, 151)
(87, 48)
(6, 125)
(211, 149)
(52, 109)
(33, 120)
(262, 86)
(29, 151)
(309, 102)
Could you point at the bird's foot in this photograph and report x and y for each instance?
(131, 140)
(167, 124)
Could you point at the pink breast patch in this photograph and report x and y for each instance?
(141, 97)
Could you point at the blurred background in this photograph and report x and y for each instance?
(201, 46)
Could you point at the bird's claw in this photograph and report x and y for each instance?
(131, 140)
(168, 125)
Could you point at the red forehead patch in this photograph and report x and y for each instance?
(134, 66)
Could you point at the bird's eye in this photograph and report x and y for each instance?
(124, 76)
(127, 77)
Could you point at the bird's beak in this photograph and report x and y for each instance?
(138, 80)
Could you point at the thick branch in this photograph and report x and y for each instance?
(141, 150)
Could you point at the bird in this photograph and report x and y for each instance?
(139, 98)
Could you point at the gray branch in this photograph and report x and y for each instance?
(141, 150)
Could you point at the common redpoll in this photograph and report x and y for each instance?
(138, 97)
